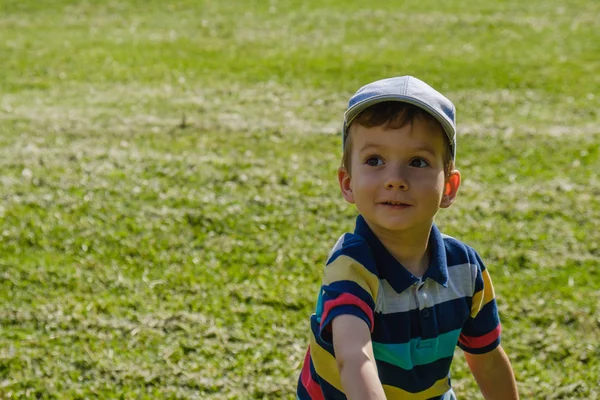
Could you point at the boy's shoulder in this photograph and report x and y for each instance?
(458, 252)
(355, 247)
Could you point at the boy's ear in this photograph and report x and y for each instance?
(344, 180)
(450, 189)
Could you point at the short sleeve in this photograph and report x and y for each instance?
(350, 285)
(481, 333)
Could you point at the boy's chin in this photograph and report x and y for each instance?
(399, 225)
(390, 224)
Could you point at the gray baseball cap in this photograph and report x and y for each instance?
(406, 89)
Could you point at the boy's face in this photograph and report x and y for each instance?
(397, 178)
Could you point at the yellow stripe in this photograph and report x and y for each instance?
(476, 305)
(437, 389)
(325, 364)
(484, 296)
(488, 288)
(345, 268)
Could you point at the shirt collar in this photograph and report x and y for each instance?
(393, 272)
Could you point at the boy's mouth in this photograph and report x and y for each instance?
(395, 204)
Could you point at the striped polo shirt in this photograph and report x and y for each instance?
(415, 323)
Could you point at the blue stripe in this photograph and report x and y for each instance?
(415, 380)
(417, 351)
(337, 288)
(404, 326)
(452, 315)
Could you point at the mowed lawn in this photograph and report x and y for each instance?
(169, 196)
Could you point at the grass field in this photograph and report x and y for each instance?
(169, 197)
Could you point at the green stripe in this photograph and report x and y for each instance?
(417, 351)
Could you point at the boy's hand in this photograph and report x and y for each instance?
(493, 374)
(355, 359)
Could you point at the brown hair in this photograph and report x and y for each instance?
(394, 115)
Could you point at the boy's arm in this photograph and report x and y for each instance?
(355, 359)
(494, 374)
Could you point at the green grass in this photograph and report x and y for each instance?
(169, 194)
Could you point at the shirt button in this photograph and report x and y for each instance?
(425, 313)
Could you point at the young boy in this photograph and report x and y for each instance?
(397, 295)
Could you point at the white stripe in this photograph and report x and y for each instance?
(460, 284)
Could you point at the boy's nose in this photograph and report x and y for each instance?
(397, 180)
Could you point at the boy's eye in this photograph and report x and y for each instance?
(374, 161)
(419, 163)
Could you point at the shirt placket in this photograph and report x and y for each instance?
(428, 326)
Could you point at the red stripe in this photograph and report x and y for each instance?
(312, 387)
(477, 342)
(345, 300)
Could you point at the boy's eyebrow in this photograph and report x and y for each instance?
(425, 148)
(369, 145)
